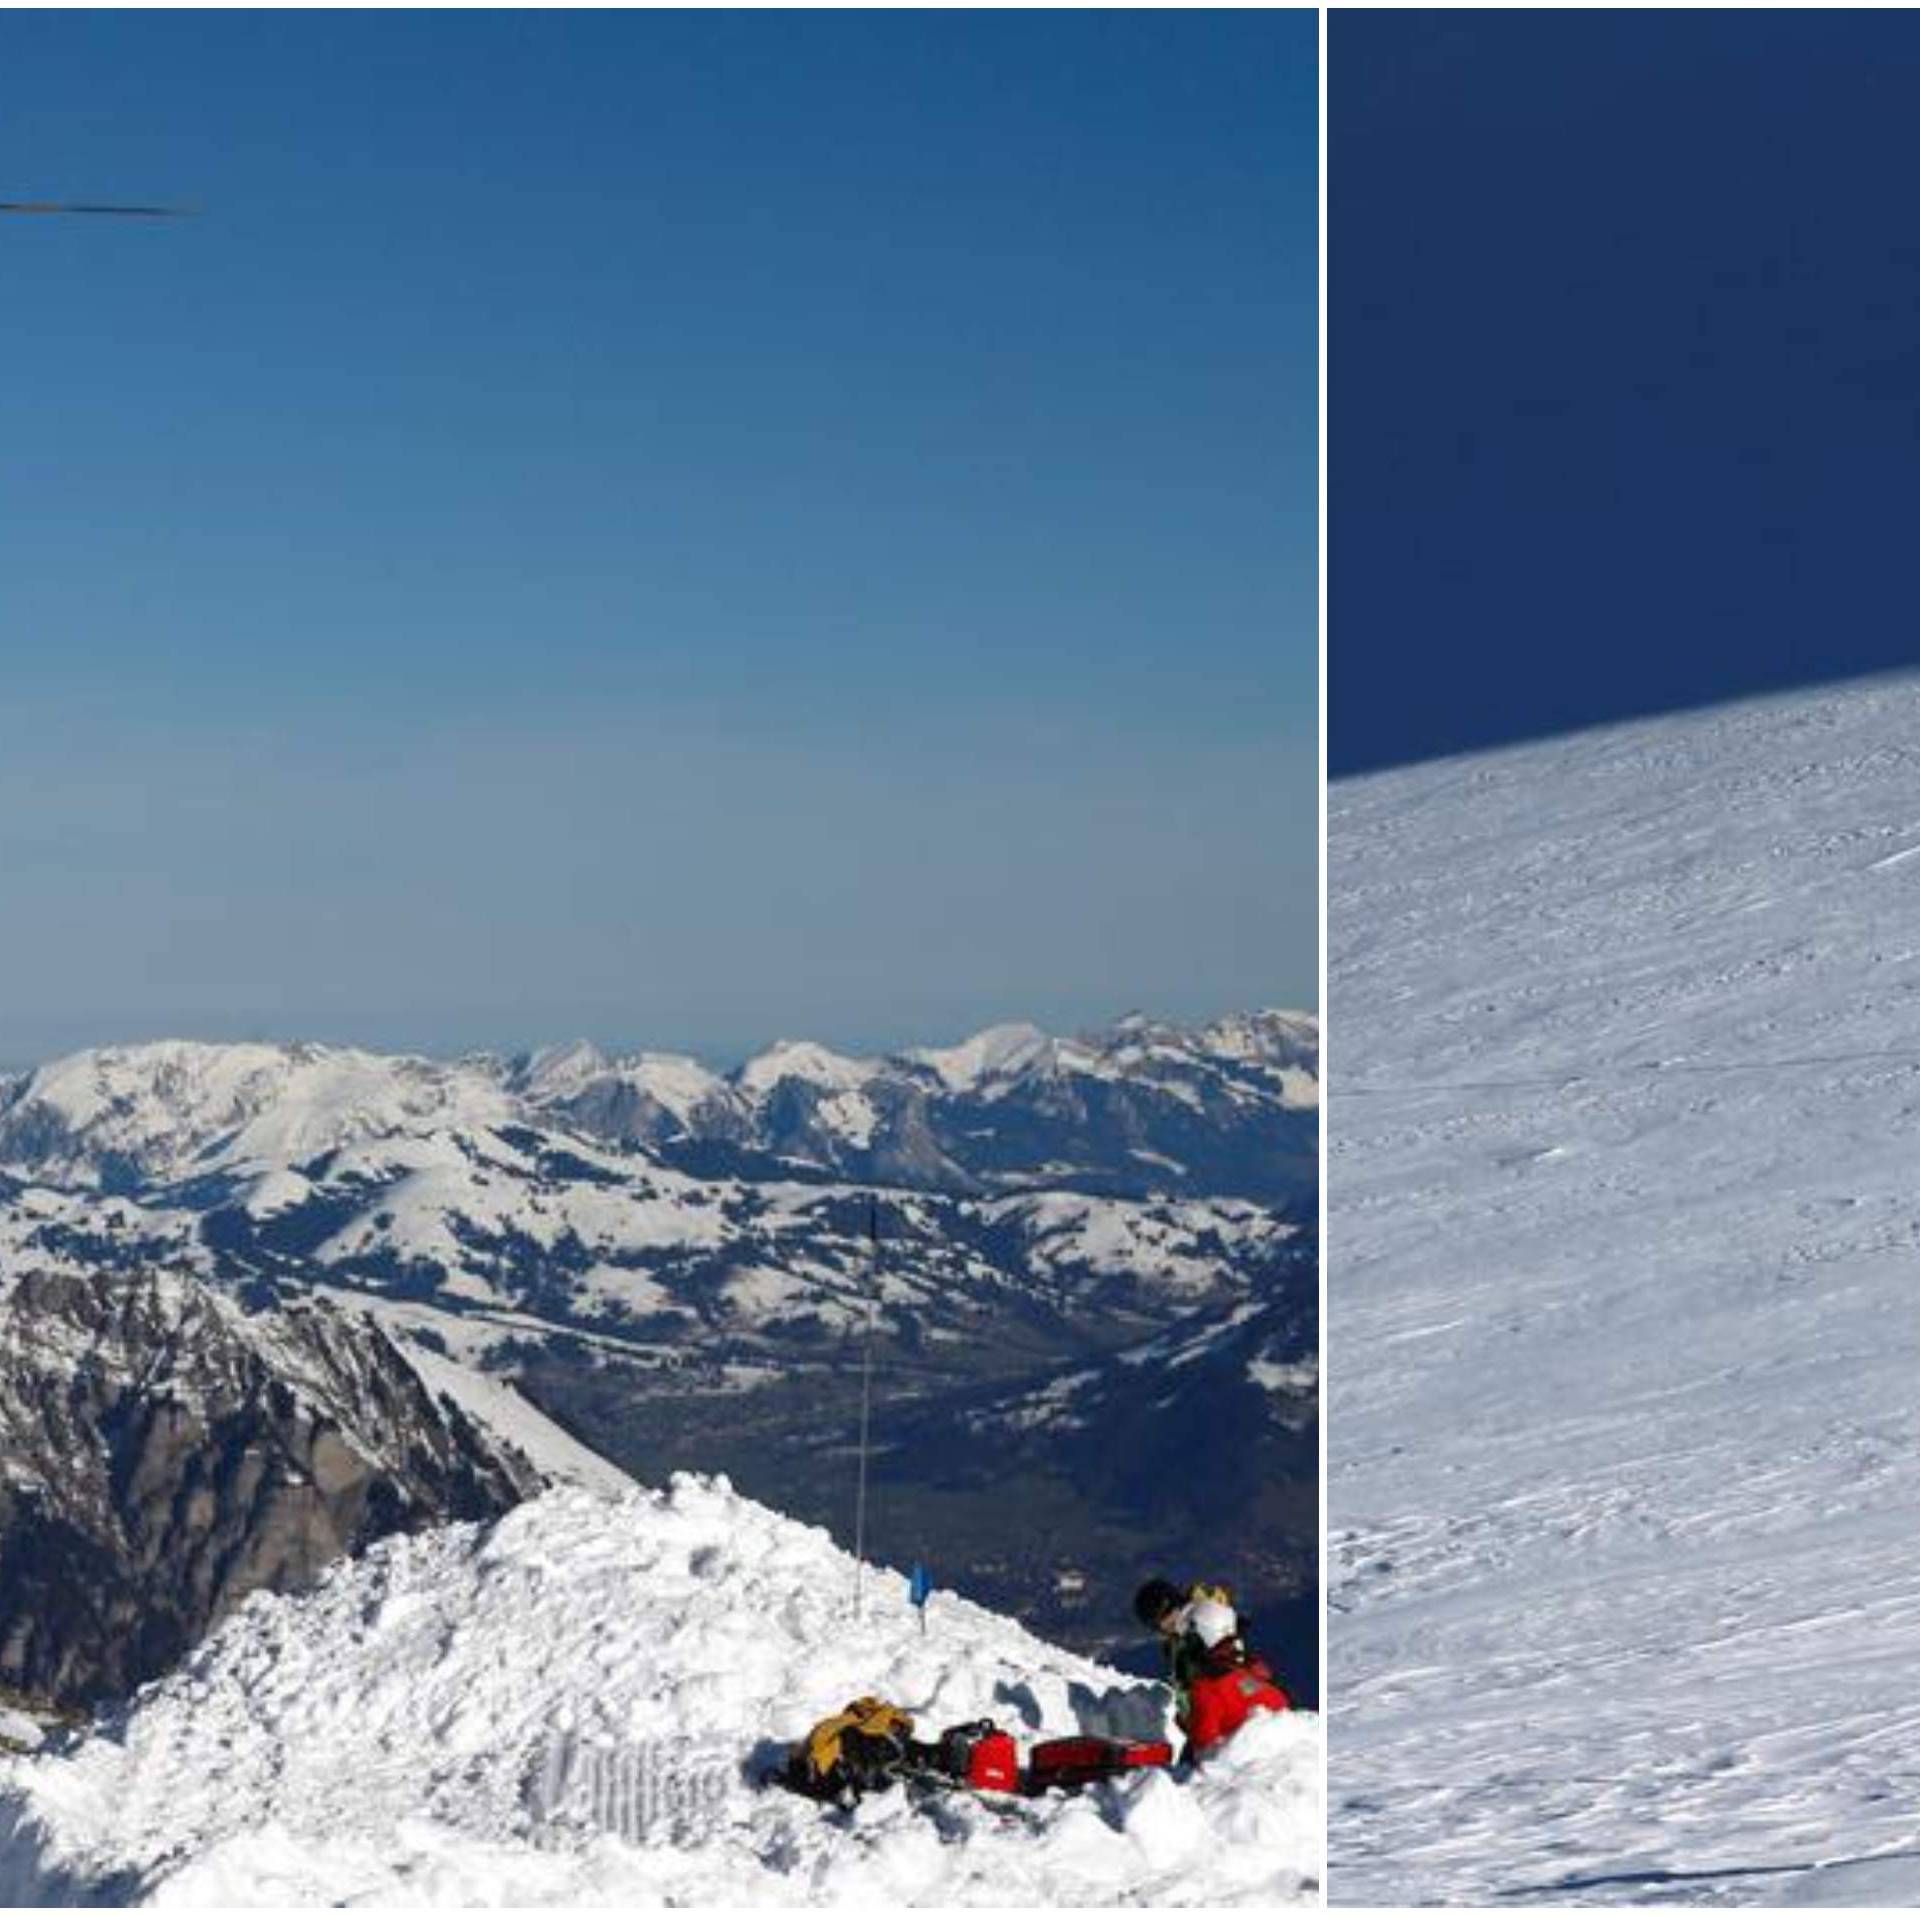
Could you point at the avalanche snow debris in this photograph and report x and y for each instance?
(572, 1706)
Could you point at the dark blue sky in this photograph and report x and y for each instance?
(675, 527)
(1624, 369)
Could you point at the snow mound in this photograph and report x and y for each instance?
(572, 1706)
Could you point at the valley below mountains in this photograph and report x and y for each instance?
(268, 1302)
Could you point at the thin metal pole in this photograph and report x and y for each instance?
(866, 1405)
(119, 212)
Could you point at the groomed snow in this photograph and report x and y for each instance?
(568, 1707)
(1625, 1436)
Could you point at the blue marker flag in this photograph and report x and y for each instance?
(920, 1586)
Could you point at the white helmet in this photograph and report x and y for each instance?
(1212, 1622)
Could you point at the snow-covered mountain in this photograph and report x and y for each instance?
(516, 1229)
(677, 1265)
(528, 1196)
(571, 1706)
(124, 1117)
(1625, 1442)
(1142, 1109)
(164, 1452)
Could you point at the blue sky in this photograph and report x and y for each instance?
(1623, 381)
(675, 528)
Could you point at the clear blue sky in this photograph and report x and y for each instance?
(1625, 364)
(678, 528)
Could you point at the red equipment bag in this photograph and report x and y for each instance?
(1069, 1761)
(981, 1755)
(994, 1763)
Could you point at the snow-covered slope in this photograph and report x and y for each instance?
(1625, 1472)
(570, 1707)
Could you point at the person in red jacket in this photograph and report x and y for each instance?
(1218, 1683)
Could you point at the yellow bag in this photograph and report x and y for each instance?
(865, 1716)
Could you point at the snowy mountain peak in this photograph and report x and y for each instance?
(809, 1062)
(172, 1108)
(999, 1051)
(678, 1083)
(1278, 1037)
(555, 1070)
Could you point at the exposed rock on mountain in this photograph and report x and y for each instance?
(163, 1453)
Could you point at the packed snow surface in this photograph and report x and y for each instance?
(1625, 1229)
(573, 1705)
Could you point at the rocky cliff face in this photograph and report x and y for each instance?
(164, 1453)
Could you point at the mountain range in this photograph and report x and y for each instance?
(1146, 1107)
(683, 1267)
